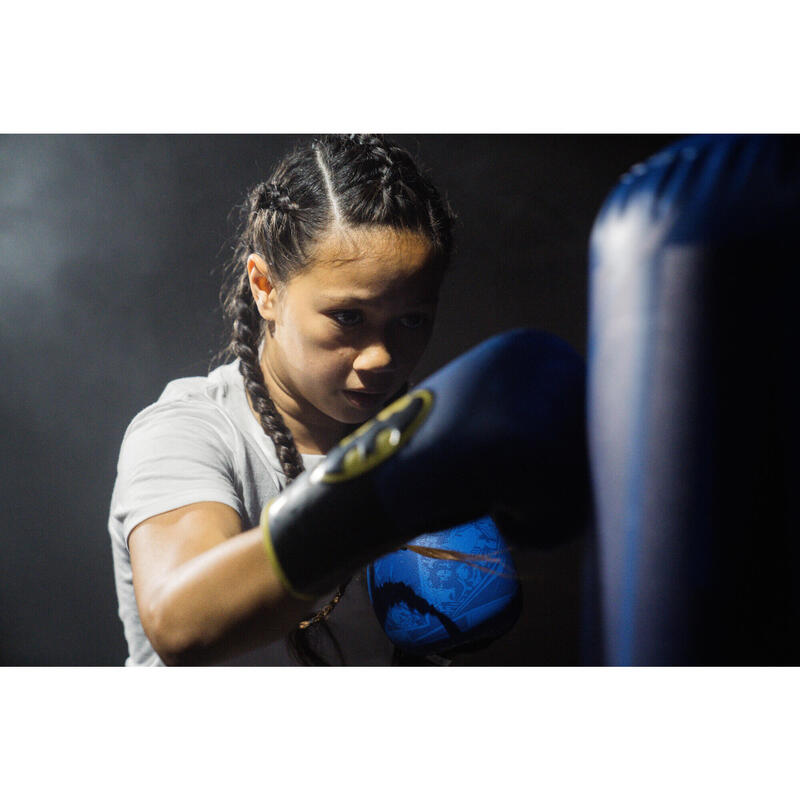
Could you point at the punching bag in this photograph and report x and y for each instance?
(693, 346)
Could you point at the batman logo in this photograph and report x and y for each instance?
(376, 440)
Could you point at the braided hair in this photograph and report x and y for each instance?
(335, 180)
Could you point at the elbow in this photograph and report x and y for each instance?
(170, 653)
(170, 633)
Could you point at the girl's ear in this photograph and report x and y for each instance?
(264, 291)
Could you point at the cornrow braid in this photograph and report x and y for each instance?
(377, 150)
(378, 182)
(272, 197)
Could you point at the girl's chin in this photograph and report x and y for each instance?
(355, 416)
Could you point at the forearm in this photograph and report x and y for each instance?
(220, 603)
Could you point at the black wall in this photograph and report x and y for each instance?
(110, 249)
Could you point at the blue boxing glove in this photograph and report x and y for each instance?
(498, 431)
(432, 605)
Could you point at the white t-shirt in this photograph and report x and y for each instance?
(200, 442)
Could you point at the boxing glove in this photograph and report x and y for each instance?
(500, 431)
(434, 605)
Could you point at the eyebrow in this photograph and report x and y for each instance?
(354, 298)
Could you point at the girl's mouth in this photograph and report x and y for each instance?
(365, 400)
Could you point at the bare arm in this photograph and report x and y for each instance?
(205, 591)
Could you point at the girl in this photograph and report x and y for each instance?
(332, 295)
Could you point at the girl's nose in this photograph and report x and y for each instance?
(374, 358)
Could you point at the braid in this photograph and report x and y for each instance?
(298, 639)
(376, 149)
(326, 609)
(356, 180)
(379, 183)
(245, 347)
(273, 197)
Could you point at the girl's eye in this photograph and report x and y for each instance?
(413, 320)
(347, 319)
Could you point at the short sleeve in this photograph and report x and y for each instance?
(174, 454)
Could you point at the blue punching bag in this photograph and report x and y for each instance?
(692, 403)
(428, 605)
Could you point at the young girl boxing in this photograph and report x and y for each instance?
(331, 295)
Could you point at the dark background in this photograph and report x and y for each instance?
(110, 251)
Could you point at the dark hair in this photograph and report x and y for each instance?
(353, 181)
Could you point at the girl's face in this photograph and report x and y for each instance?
(346, 332)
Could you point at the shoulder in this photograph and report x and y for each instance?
(191, 413)
(214, 388)
(185, 448)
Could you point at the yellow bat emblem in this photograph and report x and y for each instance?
(376, 440)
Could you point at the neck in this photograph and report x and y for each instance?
(313, 431)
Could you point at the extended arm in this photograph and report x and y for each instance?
(205, 591)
